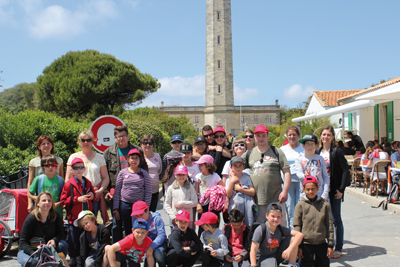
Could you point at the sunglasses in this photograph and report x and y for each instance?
(238, 145)
(176, 142)
(219, 136)
(248, 136)
(86, 140)
(78, 168)
(207, 135)
(148, 143)
(51, 165)
(262, 158)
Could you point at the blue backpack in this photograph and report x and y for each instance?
(41, 180)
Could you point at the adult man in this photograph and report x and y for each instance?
(116, 157)
(265, 165)
(356, 140)
(347, 149)
(200, 148)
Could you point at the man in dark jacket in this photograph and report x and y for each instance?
(357, 141)
(116, 157)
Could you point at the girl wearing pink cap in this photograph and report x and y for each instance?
(181, 195)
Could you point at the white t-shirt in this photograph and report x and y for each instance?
(207, 182)
(227, 165)
(291, 156)
(327, 159)
(193, 171)
(92, 167)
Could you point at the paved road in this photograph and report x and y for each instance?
(372, 236)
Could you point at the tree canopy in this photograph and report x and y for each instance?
(19, 98)
(89, 83)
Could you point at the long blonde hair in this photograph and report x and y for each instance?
(52, 213)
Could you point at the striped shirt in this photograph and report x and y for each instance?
(131, 187)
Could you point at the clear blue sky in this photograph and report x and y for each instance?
(281, 49)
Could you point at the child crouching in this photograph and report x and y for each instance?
(133, 247)
(93, 240)
(312, 217)
(184, 244)
(215, 244)
(236, 232)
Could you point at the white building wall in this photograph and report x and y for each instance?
(315, 107)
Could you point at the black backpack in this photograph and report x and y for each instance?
(263, 235)
(249, 153)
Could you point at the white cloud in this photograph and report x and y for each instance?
(59, 22)
(46, 20)
(297, 92)
(243, 94)
(182, 91)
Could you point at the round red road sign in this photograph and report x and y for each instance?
(103, 131)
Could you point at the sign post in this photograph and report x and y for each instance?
(103, 131)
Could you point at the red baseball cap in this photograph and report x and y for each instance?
(310, 179)
(261, 129)
(181, 169)
(207, 218)
(134, 151)
(205, 159)
(139, 207)
(76, 160)
(219, 129)
(183, 215)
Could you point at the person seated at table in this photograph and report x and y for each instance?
(362, 152)
(347, 148)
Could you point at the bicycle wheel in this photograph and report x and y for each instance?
(6, 238)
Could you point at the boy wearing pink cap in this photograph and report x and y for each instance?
(184, 246)
(181, 195)
(312, 217)
(76, 196)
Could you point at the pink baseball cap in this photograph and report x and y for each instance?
(261, 129)
(310, 179)
(219, 129)
(134, 151)
(183, 215)
(181, 169)
(207, 218)
(139, 207)
(76, 160)
(205, 159)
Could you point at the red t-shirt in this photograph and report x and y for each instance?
(236, 241)
(130, 248)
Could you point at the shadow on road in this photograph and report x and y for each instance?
(358, 252)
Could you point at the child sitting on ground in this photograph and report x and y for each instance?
(181, 195)
(93, 240)
(184, 245)
(133, 247)
(312, 217)
(275, 242)
(236, 232)
(77, 195)
(240, 190)
(215, 244)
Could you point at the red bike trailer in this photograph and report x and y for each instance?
(13, 212)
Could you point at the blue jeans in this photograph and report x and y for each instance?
(22, 257)
(125, 210)
(96, 207)
(73, 241)
(337, 222)
(293, 199)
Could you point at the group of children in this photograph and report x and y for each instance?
(237, 244)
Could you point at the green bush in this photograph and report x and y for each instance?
(11, 158)
(139, 128)
(23, 129)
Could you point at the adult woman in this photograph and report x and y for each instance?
(96, 171)
(239, 146)
(45, 146)
(292, 151)
(338, 170)
(43, 226)
(249, 137)
(219, 158)
(154, 163)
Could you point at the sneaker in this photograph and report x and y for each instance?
(73, 262)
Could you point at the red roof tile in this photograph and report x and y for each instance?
(330, 98)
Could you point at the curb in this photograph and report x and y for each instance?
(372, 199)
